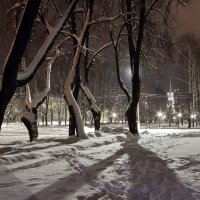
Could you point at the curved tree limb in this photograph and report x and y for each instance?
(115, 46)
(25, 76)
(40, 99)
(96, 111)
(8, 83)
(68, 95)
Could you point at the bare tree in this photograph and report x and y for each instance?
(30, 118)
(11, 77)
(8, 82)
(68, 95)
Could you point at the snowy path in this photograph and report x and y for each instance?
(103, 167)
(181, 149)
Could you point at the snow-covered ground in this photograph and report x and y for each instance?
(163, 165)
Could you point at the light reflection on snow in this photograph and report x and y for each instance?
(105, 166)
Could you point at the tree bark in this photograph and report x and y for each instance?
(11, 66)
(24, 77)
(96, 111)
(134, 51)
(97, 118)
(46, 111)
(76, 89)
(30, 118)
(76, 84)
(30, 121)
(131, 112)
(68, 95)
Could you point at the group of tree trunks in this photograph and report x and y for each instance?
(80, 35)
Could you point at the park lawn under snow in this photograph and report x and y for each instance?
(163, 165)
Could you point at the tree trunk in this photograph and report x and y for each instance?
(131, 112)
(134, 52)
(189, 111)
(46, 111)
(65, 115)
(30, 121)
(8, 85)
(72, 121)
(24, 77)
(76, 85)
(30, 118)
(97, 118)
(96, 111)
(52, 111)
(68, 95)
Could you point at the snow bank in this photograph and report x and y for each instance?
(107, 165)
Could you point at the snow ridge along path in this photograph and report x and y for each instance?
(105, 166)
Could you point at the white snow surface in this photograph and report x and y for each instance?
(163, 164)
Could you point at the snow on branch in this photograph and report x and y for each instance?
(26, 76)
(28, 100)
(104, 19)
(40, 99)
(68, 95)
(90, 97)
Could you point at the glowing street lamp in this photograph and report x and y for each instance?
(179, 115)
(114, 115)
(159, 114)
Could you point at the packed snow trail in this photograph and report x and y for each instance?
(11, 188)
(103, 167)
(181, 149)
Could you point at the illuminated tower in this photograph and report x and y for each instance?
(170, 104)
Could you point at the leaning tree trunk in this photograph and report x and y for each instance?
(24, 77)
(69, 97)
(68, 94)
(8, 82)
(30, 118)
(75, 86)
(11, 79)
(96, 111)
(30, 121)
